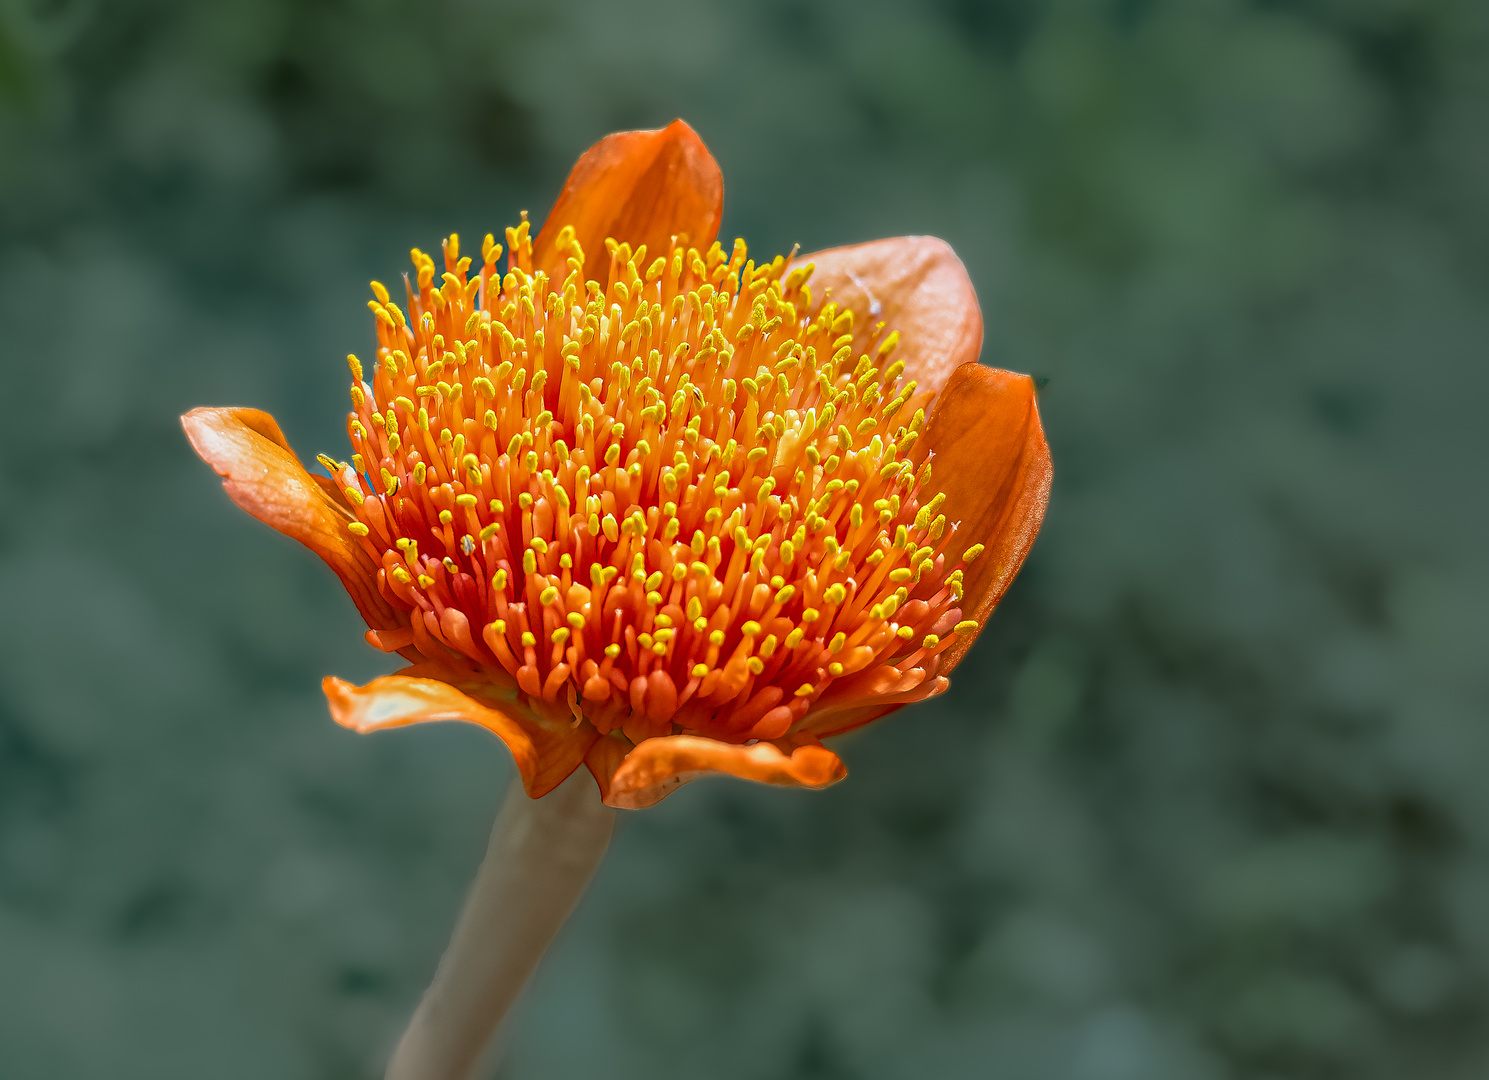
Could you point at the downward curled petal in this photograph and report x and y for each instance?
(656, 767)
(544, 753)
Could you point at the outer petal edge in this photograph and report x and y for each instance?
(986, 435)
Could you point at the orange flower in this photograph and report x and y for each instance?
(654, 507)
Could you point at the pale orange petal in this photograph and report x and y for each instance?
(640, 187)
(262, 475)
(988, 454)
(657, 767)
(913, 284)
(545, 753)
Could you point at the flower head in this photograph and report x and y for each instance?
(640, 501)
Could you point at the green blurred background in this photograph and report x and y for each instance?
(1211, 797)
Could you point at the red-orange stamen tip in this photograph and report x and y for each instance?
(674, 491)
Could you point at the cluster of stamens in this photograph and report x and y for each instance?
(680, 496)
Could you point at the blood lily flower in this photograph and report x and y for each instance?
(641, 502)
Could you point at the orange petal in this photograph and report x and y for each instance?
(545, 754)
(657, 767)
(262, 475)
(640, 187)
(913, 284)
(988, 454)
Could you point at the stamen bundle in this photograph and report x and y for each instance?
(677, 496)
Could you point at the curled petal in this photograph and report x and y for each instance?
(641, 187)
(262, 475)
(989, 456)
(915, 285)
(545, 752)
(657, 767)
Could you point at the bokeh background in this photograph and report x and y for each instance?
(1209, 800)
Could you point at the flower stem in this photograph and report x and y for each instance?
(541, 855)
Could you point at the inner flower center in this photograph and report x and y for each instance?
(669, 495)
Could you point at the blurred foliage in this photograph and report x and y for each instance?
(1206, 801)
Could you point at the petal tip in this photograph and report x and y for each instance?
(659, 766)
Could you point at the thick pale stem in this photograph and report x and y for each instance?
(541, 856)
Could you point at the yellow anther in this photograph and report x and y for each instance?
(966, 626)
(810, 615)
(529, 562)
(835, 594)
(906, 632)
(612, 651)
(699, 670)
(901, 575)
(358, 529)
(972, 552)
(716, 638)
(793, 639)
(547, 596)
(805, 689)
(559, 636)
(528, 640)
(755, 665)
(930, 642)
(575, 620)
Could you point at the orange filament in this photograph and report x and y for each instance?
(680, 496)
